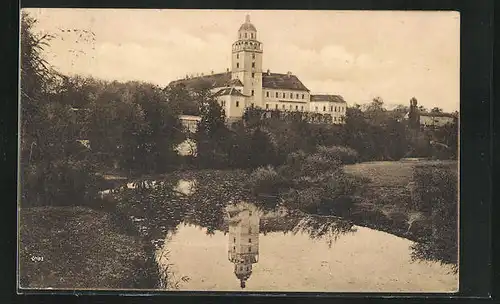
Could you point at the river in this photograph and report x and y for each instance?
(255, 250)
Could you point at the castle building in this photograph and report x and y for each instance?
(243, 246)
(246, 84)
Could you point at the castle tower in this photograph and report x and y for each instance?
(246, 63)
(243, 247)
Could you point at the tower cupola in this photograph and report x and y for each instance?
(247, 30)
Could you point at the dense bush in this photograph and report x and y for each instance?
(314, 183)
(345, 155)
(59, 183)
(434, 186)
(265, 180)
(435, 194)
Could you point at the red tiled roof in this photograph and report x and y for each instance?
(325, 97)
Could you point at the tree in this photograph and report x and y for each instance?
(54, 166)
(401, 109)
(422, 109)
(436, 110)
(262, 151)
(212, 134)
(181, 100)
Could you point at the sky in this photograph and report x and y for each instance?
(360, 55)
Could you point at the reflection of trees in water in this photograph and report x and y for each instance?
(154, 206)
(324, 227)
(163, 208)
(316, 227)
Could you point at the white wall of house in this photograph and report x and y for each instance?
(336, 109)
(234, 106)
(288, 100)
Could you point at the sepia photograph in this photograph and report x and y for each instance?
(238, 150)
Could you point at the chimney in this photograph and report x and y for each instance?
(288, 74)
(227, 69)
(268, 72)
(201, 74)
(212, 72)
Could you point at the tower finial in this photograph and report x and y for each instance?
(247, 18)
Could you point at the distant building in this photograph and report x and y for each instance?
(247, 84)
(436, 119)
(243, 247)
(334, 105)
(418, 119)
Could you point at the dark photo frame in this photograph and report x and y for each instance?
(475, 157)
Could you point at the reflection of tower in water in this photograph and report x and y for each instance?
(243, 248)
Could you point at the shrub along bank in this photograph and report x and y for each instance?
(421, 205)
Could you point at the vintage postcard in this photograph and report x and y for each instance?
(247, 151)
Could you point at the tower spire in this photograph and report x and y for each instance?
(247, 18)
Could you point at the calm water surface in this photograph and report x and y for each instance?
(258, 251)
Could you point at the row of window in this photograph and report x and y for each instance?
(251, 35)
(244, 268)
(284, 107)
(246, 44)
(290, 107)
(249, 240)
(253, 67)
(238, 56)
(249, 249)
(285, 95)
(332, 109)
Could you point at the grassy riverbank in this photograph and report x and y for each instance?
(77, 247)
(387, 201)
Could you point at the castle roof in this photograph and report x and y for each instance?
(229, 91)
(269, 81)
(326, 97)
(282, 82)
(205, 82)
(247, 26)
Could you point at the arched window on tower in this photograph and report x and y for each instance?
(252, 35)
(237, 56)
(245, 35)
